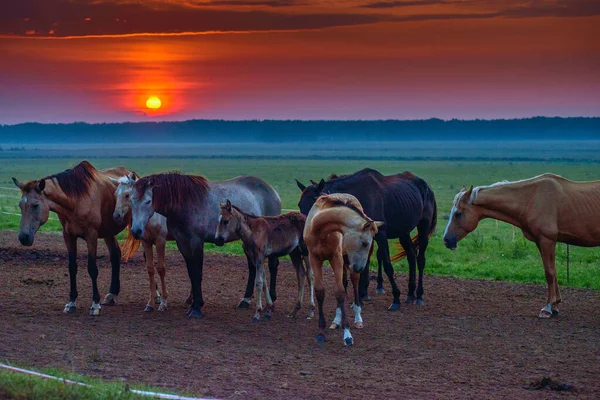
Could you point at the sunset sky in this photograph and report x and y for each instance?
(100, 60)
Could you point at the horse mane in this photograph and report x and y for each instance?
(173, 189)
(346, 201)
(74, 182)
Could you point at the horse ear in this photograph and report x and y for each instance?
(463, 189)
(221, 204)
(131, 177)
(18, 183)
(41, 186)
(301, 186)
(113, 179)
(321, 185)
(228, 205)
(379, 224)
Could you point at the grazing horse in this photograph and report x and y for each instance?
(191, 205)
(84, 199)
(548, 208)
(263, 237)
(402, 201)
(155, 234)
(338, 231)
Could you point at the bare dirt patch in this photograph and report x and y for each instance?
(472, 339)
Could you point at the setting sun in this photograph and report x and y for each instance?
(153, 103)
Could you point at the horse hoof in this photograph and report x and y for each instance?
(410, 300)
(109, 300)
(394, 307)
(69, 309)
(94, 312)
(268, 315)
(554, 312)
(157, 301)
(367, 298)
(255, 319)
(380, 291)
(544, 314)
(162, 307)
(148, 308)
(320, 338)
(348, 341)
(334, 326)
(359, 325)
(311, 315)
(419, 302)
(189, 301)
(194, 314)
(243, 304)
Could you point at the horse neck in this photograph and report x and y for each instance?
(59, 202)
(506, 203)
(244, 230)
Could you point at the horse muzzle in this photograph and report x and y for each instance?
(118, 218)
(26, 239)
(450, 243)
(137, 233)
(219, 241)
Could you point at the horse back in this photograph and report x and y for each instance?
(253, 195)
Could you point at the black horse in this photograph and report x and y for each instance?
(404, 202)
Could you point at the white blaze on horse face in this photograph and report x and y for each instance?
(457, 200)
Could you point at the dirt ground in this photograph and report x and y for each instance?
(472, 339)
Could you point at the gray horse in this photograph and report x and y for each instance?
(191, 205)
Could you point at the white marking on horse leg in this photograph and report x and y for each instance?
(358, 321)
(95, 309)
(348, 341)
(109, 299)
(337, 321)
(163, 305)
(70, 307)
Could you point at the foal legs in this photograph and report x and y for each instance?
(302, 276)
(547, 248)
(115, 263)
(150, 268)
(160, 253)
(245, 302)
(260, 285)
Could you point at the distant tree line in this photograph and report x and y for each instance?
(194, 131)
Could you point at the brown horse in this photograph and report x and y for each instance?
(337, 230)
(547, 208)
(84, 199)
(263, 237)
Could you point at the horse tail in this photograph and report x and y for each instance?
(415, 239)
(131, 245)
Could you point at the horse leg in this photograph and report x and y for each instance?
(296, 258)
(160, 254)
(380, 289)
(337, 264)
(311, 284)
(149, 256)
(358, 321)
(71, 243)
(245, 302)
(269, 309)
(92, 245)
(115, 263)
(382, 242)
(273, 264)
(411, 257)
(258, 284)
(194, 259)
(317, 268)
(547, 249)
(363, 285)
(423, 243)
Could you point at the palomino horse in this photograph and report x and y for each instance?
(84, 199)
(155, 234)
(263, 237)
(337, 230)
(548, 209)
(402, 201)
(191, 205)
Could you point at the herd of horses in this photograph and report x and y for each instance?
(339, 221)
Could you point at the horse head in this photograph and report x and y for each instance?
(464, 218)
(35, 208)
(358, 244)
(228, 223)
(122, 194)
(309, 195)
(142, 209)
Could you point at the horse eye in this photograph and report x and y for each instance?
(35, 206)
(126, 196)
(365, 244)
(458, 214)
(148, 201)
(225, 221)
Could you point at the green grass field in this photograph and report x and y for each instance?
(494, 251)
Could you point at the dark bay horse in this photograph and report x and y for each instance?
(263, 237)
(191, 205)
(548, 209)
(403, 202)
(84, 199)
